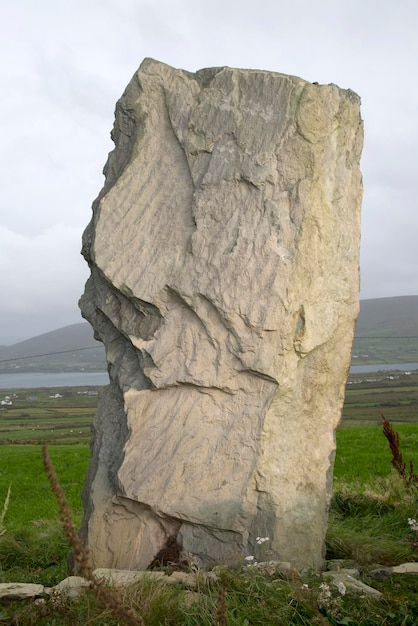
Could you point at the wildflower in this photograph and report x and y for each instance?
(261, 540)
(324, 596)
(325, 589)
(413, 524)
(251, 560)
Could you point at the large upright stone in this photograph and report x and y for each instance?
(224, 251)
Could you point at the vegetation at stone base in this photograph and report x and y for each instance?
(252, 599)
(368, 523)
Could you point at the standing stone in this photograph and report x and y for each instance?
(224, 256)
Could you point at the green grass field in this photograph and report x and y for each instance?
(368, 521)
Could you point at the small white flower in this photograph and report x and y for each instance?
(325, 591)
(261, 540)
(324, 596)
(249, 558)
(413, 524)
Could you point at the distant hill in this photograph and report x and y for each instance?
(387, 332)
(69, 349)
(388, 316)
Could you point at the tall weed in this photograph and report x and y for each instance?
(4, 511)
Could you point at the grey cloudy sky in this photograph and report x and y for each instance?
(65, 63)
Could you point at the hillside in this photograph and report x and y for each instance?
(69, 349)
(387, 332)
(388, 316)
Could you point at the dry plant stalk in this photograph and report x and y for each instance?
(410, 479)
(109, 599)
(3, 513)
(221, 610)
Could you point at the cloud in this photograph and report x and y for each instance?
(43, 277)
(66, 63)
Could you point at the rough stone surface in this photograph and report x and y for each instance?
(381, 572)
(122, 577)
(405, 568)
(70, 586)
(224, 252)
(350, 582)
(20, 591)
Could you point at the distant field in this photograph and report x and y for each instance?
(385, 350)
(38, 416)
(395, 394)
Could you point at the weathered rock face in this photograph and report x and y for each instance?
(224, 253)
